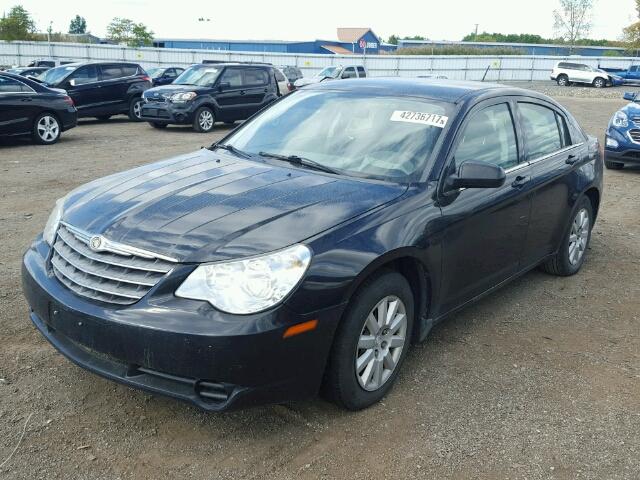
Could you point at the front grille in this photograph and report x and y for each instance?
(115, 274)
(635, 135)
(155, 112)
(636, 120)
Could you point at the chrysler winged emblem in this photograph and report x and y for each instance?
(96, 243)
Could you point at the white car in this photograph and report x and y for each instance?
(566, 73)
(334, 73)
(283, 83)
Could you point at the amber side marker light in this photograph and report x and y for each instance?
(300, 328)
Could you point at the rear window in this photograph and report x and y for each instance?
(279, 76)
(255, 76)
(129, 70)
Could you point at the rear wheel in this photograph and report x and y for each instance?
(563, 80)
(135, 109)
(204, 120)
(371, 342)
(613, 165)
(46, 129)
(570, 257)
(599, 82)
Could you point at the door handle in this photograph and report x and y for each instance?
(241, 92)
(520, 181)
(27, 99)
(571, 159)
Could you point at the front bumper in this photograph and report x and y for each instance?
(181, 348)
(626, 156)
(166, 112)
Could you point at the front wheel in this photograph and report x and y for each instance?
(599, 83)
(563, 81)
(46, 129)
(570, 257)
(135, 109)
(371, 342)
(204, 120)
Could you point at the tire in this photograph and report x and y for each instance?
(565, 263)
(342, 383)
(135, 109)
(599, 82)
(563, 81)
(158, 125)
(204, 120)
(613, 165)
(104, 118)
(46, 129)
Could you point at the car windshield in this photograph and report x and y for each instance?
(155, 72)
(54, 75)
(202, 76)
(330, 72)
(381, 137)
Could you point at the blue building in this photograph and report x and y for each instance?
(351, 41)
(527, 48)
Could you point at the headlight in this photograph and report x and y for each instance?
(50, 229)
(250, 285)
(620, 119)
(182, 97)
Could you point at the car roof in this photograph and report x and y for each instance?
(438, 89)
(101, 62)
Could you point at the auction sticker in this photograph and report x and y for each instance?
(431, 119)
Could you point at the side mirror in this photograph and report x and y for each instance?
(631, 96)
(473, 174)
(72, 82)
(224, 86)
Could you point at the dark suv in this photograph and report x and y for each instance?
(101, 89)
(207, 93)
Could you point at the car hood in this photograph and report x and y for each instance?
(168, 90)
(632, 109)
(210, 206)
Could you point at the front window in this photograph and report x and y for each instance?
(54, 75)
(382, 137)
(203, 76)
(329, 72)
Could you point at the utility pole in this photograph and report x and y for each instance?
(475, 36)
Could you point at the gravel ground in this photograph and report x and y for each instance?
(575, 91)
(538, 381)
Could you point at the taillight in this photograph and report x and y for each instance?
(146, 78)
(68, 100)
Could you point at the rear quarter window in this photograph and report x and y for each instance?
(129, 70)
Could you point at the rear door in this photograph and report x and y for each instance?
(486, 228)
(554, 152)
(255, 83)
(17, 108)
(115, 85)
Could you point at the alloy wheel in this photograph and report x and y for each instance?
(206, 120)
(48, 128)
(137, 109)
(381, 342)
(579, 236)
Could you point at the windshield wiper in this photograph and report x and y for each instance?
(230, 148)
(296, 160)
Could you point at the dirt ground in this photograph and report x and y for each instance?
(538, 381)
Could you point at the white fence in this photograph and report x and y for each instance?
(501, 68)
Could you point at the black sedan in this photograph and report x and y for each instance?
(27, 71)
(30, 108)
(309, 249)
(164, 75)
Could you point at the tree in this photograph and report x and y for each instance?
(123, 30)
(573, 20)
(393, 40)
(78, 25)
(631, 33)
(17, 25)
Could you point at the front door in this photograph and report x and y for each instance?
(485, 228)
(83, 86)
(231, 94)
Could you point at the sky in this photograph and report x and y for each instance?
(282, 20)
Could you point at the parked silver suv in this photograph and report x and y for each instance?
(566, 73)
